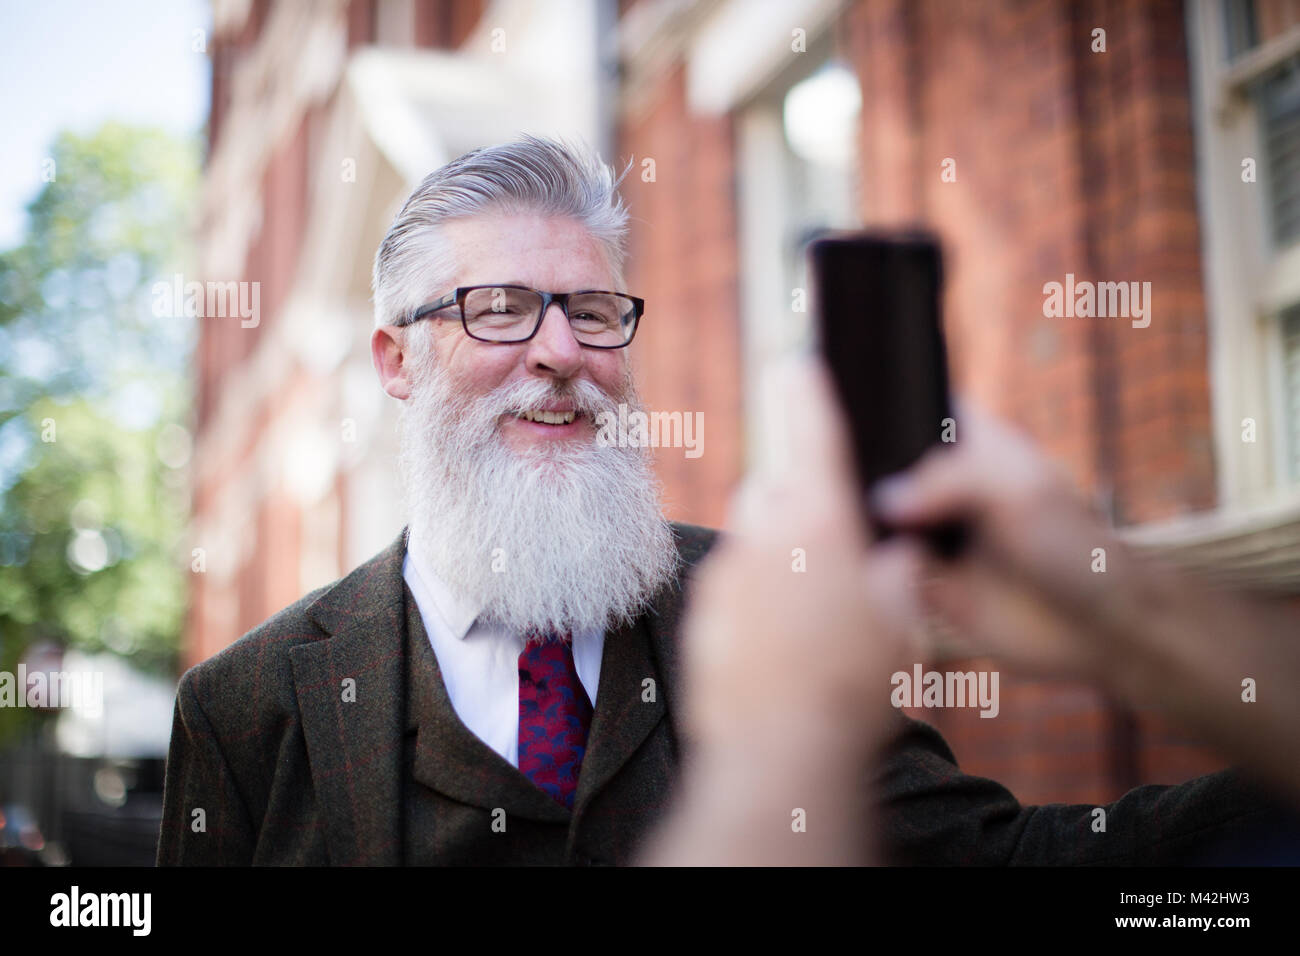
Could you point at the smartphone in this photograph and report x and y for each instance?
(877, 298)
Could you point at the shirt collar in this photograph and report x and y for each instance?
(457, 612)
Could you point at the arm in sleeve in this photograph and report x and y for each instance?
(933, 814)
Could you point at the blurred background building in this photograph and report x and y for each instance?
(1165, 149)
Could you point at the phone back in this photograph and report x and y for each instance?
(877, 298)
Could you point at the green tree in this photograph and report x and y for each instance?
(94, 404)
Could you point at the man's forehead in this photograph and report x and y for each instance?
(547, 252)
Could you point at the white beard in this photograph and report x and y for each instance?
(556, 539)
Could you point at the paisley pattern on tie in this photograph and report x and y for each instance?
(554, 718)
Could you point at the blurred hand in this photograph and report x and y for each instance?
(1029, 588)
(794, 622)
(793, 628)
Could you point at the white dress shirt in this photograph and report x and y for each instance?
(479, 662)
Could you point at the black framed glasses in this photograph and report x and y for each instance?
(513, 313)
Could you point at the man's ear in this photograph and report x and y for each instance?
(389, 358)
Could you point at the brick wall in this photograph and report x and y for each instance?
(683, 259)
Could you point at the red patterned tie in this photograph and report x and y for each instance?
(554, 718)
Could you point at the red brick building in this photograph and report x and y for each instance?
(1127, 140)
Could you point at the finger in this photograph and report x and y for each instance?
(955, 595)
(950, 482)
(991, 615)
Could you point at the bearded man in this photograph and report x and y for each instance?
(502, 684)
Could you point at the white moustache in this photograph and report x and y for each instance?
(587, 398)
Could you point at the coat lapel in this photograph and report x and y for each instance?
(629, 703)
(639, 658)
(354, 732)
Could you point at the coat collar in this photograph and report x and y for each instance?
(354, 738)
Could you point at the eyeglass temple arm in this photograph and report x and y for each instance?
(449, 299)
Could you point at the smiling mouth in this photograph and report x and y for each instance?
(543, 417)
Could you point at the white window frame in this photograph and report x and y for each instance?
(1248, 283)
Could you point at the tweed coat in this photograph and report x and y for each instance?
(325, 737)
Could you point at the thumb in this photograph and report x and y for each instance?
(948, 482)
(811, 433)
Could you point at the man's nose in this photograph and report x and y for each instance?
(554, 350)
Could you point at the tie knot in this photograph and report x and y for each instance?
(534, 636)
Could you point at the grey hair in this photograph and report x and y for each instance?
(532, 174)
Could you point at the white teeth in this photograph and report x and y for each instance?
(549, 418)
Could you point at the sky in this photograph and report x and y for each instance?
(74, 64)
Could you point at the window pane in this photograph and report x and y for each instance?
(1239, 26)
(1279, 101)
(1291, 359)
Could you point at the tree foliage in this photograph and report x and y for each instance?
(94, 403)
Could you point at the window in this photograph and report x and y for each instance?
(797, 164)
(1245, 70)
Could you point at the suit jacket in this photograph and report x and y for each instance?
(325, 736)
